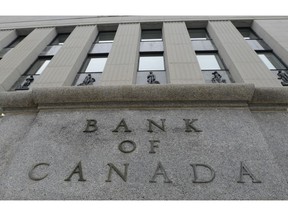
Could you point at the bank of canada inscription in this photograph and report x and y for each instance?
(129, 146)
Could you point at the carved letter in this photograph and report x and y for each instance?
(196, 179)
(123, 176)
(32, 177)
(152, 146)
(245, 171)
(123, 149)
(151, 122)
(190, 127)
(160, 171)
(122, 124)
(77, 170)
(91, 126)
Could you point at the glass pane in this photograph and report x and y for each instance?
(198, 34)
(60, 39)
(36, 67)
(95, 64)
(271, 61)
(258, 45)
(43, 66)
(105, 37)
(151, 63)
(208, 62)
(248, 34)
(151, 35)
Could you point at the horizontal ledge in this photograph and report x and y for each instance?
(148, 95)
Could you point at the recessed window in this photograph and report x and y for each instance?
(209, 61)
(60, 39)
(91, 71)
(151, 62)
(94, 64)
(55, 45)
(24, 82)
(201, 40)
(151, 35)
(105, 37)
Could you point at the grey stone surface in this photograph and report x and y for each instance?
(274, 128)
(13, 129)
(128, 95)
(228, 137)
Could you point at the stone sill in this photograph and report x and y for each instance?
(146, 96)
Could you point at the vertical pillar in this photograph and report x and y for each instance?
(242, 61)
(6, 37)
(121, 65)
(183, 67)
(18, 60)
(274, 33)
(64, 66)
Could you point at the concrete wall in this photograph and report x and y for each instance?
(64, 66)
(242, 62)
(183, 67)
(18, 60)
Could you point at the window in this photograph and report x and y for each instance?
(151, 69)
(55, 45)
(105, 37)
(266, 54)
(212, 67)
(151, 35)
(103, 43)
(200, 40)
(91, 71)
(209, 61)
(12, 45)
(24, 82)
(151, 62)
(35, 70)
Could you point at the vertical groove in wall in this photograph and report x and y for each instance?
(18, 60)
(242, 61)
(64, 66)
(122, 61)
(181, 60)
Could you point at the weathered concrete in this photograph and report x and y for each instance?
(56, 138)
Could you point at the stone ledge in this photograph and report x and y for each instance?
(149, 96)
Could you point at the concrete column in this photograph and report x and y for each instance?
(121, 65)
(274, 33)
(181, 61)
(18, 60)
(242, 61)
(64, 66)
(6, 37)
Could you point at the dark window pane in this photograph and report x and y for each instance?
(198, 34)
(60, 39)
(38, 67)
(248, 34)
(258, 45)
(105, 37)
(151, 35)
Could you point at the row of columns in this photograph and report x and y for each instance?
(121, 66)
